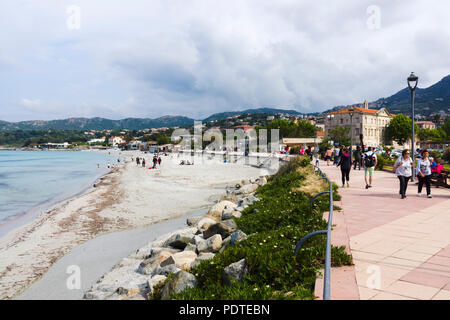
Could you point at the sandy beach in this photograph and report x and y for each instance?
(129, 197)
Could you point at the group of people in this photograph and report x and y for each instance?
(141, 161)
(425, 169)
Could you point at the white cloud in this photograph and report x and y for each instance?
(198, 57)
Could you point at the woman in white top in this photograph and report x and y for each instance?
(424, 173)
(403, 170)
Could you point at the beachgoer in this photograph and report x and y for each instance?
(98, 166)
(155, 160)
(137, 161)
(143, 162)
(159, 161)
(345, 163)
(328, 154)
(109, 165)
(301, 151)
(403, 170)
(357, 155)
(424, 173)
(370, 162)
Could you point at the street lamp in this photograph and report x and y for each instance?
(351, 111)
(412, 84)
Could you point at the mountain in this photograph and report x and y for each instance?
(222, 115)
(427, 101)
(98, 123)
(128, 123)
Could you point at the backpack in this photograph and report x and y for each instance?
(369, 161)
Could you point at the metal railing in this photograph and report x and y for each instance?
(326, 282)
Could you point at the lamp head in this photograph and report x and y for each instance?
(412, 81)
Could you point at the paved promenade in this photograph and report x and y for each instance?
(400, 247)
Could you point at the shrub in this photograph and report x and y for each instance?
(380, 163)
(274, 225)
(446, 156)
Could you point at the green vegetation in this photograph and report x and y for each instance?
(432, 134)
(290, 129)
(30, 138)
(274, 225)
(340, 135)
(399, 129)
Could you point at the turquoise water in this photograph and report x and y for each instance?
(29, 179)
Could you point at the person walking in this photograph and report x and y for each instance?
(159, 161)
(345, 163)
(403, 170)
(370, 162)
(357, 155)
(155, 160)
(143, 162)
(337, 151)
(424, 173)
(328, 154)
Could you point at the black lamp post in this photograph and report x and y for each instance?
(412, 84)
(351, 110)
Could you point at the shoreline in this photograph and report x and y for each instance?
(125, 199)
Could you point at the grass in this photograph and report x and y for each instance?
(274, 225)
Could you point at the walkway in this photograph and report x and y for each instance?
(400, 247)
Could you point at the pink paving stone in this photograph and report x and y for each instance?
(367, 209)
(447, 287)
(440, 260)
(426, 279)
(444, 253)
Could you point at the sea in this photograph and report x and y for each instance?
(33, 181)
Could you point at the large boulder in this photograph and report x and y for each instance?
(247, 189)
(181, 259)
(148, 265)
(212, 244)
(237, 236)
(192, 221)
(224, 228)
(234, 272)
(182, 280)
(178, 241)
(261, 181)
(216, 210)
(165, 271)
(190, 247)
(205, 223)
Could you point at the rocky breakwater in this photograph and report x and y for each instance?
(166, 262)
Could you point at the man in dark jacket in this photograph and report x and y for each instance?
(345, 162)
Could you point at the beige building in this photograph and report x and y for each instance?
(425, 125)
(370, 122)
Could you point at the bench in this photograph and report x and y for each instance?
(441, 179)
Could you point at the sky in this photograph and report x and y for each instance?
(149, 58)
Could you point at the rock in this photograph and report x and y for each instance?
(212, 244)
(165, 271)
(262, 181)
(245, 182)
(148, 265)
(226, 241)
(182, 280)
(190, 247)
(197, 238)
(168, 261)
(224, 228)
(206, 255)
(184, 259)
(216, 210)
(234, 272)
(154, 281)
(227, 213)
(240, 209)
(236, 214)
(247, 189)
(237, 236)
(178, 241)
(205, 223)
(192, 221)
(141, 253)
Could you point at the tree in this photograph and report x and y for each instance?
(446, 128)
(432, 134)
(399, 129)
(340, 135)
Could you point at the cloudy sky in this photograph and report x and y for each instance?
(148, 58)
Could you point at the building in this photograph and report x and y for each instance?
(50, 145)
(116, 140)
(369, 122)
(100, 140)
(425, 125)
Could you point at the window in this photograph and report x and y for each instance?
(342, 120)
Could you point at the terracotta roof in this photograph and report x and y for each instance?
(359, 110)
(320, 133)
